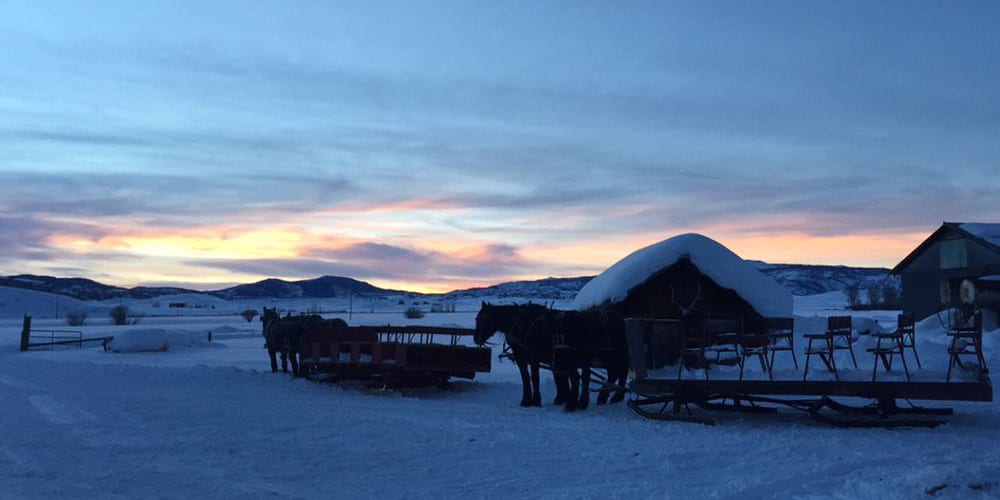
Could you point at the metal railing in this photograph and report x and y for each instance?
(42, 338)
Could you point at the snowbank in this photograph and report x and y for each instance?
(726, 268)
(154, 339)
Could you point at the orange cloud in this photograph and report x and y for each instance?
(483, 251)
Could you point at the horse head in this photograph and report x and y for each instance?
(494, 318)
(269, 316)
(486, 323)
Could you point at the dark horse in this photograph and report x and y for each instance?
(528, 331)
(580, 338)
(283, 335)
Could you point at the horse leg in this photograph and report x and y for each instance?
(562, 387)
(622, 380)
(522, 366)
(294, 359)
(574, 387)
(585, 387)
(536, 385)
(284, 361)
(602, 395)
(605, 391)
(271, 353)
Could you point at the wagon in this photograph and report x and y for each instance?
(660, 392)
(393, 356)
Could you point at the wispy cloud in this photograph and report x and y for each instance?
(477, 150)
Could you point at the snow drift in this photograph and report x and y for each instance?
(154, 339)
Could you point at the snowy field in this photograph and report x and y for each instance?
(209, 420)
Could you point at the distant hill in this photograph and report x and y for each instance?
(548, 288)
(805, 279)
(800, 279)
(324, 287)
(78, 288)
(18, 301)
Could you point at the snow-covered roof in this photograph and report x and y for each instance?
(986, 231)
(713, 259)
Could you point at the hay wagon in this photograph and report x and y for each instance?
(393, 356)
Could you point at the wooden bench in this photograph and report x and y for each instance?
(781, 334)
(759, 341)
(967, 341)
(837, 328)
(693, 341)
(894, 343)
(723, 337)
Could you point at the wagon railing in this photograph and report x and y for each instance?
(418, 334)
(391, 355)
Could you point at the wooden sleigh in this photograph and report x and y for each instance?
(665, 397)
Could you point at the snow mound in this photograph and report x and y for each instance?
(16, 302)
(716, 261)
(154, 339)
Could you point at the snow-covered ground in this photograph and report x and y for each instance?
(210, 420)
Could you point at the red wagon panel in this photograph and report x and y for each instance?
(409, 355)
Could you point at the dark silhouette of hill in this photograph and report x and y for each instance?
(800, 279)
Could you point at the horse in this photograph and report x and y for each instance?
(579, 338)
(280, 335)
(283, 335)
(528, 332)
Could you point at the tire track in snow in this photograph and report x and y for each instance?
(17, 383)
(59, 412)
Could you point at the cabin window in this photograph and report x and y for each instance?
(953, 254)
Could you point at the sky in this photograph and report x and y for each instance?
(430, 145)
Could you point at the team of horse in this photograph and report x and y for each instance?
(282, 335)
(567, 342)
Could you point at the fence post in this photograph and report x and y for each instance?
(25, 333)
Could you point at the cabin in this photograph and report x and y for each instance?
(933, 272)
(687, 276)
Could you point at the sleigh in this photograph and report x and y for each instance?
(392, 356)
(663, 390)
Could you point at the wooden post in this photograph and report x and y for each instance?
(25, 333)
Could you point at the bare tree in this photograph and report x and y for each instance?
(249, 314)
(853, 292)
(76, 318)
(891, 298)
(121, 316)
(875, 299)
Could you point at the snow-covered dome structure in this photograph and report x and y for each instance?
(687, 275)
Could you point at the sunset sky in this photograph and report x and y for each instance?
(438, 145)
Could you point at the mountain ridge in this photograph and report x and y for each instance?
(800, 279)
